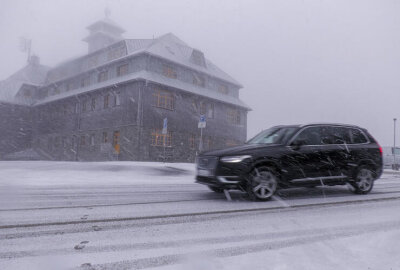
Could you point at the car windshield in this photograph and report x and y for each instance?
(275, 135)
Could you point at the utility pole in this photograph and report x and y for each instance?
(394, 144)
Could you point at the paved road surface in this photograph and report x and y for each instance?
(145, 226)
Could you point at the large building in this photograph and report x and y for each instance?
(110, 104)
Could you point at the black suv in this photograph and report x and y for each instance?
(294, 156)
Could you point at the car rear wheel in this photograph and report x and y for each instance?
(364, 181)
(262, 184)
(215, 189)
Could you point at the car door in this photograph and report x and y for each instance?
(335, 141)
(305, 161)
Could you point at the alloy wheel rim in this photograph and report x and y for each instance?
(264, 185)
(364, 179)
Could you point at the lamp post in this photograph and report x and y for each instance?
(394, 144)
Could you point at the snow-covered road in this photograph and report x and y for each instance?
(127, 215)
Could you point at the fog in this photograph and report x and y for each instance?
(299, 61)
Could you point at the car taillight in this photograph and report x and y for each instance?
(380, 150)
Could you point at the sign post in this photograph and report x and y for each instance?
(201, 125)
(164, 132)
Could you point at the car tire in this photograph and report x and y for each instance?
(262, 183)
(363, 180)
(215, 189)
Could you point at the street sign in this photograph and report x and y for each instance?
(202, 121)
(165, 126)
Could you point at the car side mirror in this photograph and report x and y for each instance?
(298, 143)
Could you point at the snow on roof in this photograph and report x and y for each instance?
(155, 78)
(32, 74)
(106, 21)
(168, 47)
(171, 48)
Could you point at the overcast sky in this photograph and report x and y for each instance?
(299, 61)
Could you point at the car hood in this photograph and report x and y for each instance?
(238, 150)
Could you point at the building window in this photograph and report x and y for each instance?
(27, 93)
(64, 142)
(116, 53)
(93, 104)
(57, 142)
(93, 61)
(65, 109)
(234, 116)
(103, 76)
(169, 72)
(117, 99)
(207, 143)
(106, 101)
(77, 107)
(69, 86)
(56, 90)
(116, 144)
(203, 108)
(198, 80)
(50, 144)
(162, 99)
(83, 140)
(84, 106)
(122, 70)
(74, 142)
(92, 140)
(85, 82)
(210, 111)
(105, 137)
(159, 139)
(192, 141)
(223, 89)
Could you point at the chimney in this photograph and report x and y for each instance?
(34, 60)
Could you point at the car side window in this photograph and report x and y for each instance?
(340, 135)
(327, 135)
(357, 136)
(309, 136)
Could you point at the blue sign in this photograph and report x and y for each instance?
(202, 121)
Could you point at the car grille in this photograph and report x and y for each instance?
(206, 162)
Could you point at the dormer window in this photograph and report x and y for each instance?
(223, 89)
(27, 93)
(103, 76)
(122, 70)
(85, 82)
(69, 86)
(197, 58)
(169, 72)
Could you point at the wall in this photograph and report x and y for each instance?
(16, 128)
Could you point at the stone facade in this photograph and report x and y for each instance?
(110, 105)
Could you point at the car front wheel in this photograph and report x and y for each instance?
(364, 181)
(262, 184)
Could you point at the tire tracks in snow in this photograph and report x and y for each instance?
(170, 259)
(206, 213)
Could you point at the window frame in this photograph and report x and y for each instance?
(163, 99)
(157, 136)
(124, 68)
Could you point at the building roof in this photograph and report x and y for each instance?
(168, 47)
(154, 78)
(173, 49)
(106, 21)
(31, 74)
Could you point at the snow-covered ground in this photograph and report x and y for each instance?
(135, 215)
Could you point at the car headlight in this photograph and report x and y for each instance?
(234, 159)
